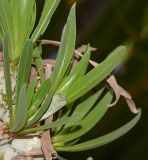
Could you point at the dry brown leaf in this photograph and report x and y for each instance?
(119, 91)
(129, 101)
(113, 84)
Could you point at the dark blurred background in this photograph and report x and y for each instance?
(106, 24)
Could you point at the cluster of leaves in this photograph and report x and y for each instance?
(18, 17)
(62, 89)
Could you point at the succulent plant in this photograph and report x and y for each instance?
(47, 105)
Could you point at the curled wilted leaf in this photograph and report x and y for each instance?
(119, 91)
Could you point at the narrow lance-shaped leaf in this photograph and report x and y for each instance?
(24, 66)
(77, 72)
(39, 113)
(29, 12)
(66, 50)
(39, 96)
(7, 75)
(26, 10)
(6, 20)
(32, 21)
(2, 32)
(21, 113)
(84, 107)
(54, 124)
(97, 142)
(95, 76)
(48, 10)
(14, 5)
(41, 93)
(5, 16)
(23, 17)
(30, 91)
(39, 62)
(88, 122)
(66, 114)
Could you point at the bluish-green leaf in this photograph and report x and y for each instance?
(7, 75)
(21, 112)
(95, 76)
(97, 142)
(48, 10)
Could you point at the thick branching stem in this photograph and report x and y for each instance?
(46, 144)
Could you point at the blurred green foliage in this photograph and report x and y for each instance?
(107, 24)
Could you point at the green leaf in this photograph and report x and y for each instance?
(103, 139)
(39, 113)
(77, 72)
(2, 32)
(6, 21)
(54, 124)
(39, 62)
(65, 51)
(57, 103)
(26, 10)
(32, 22)
(65, 113)
(14, 5)
(48, 10)
(39, 96)
(71, 143)
(84, 107)
(86, 124)
(23, 14)
(7, 75)
(21, 113)
(95, 76)
(24, 66)
(63, 60)
(30, 91)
